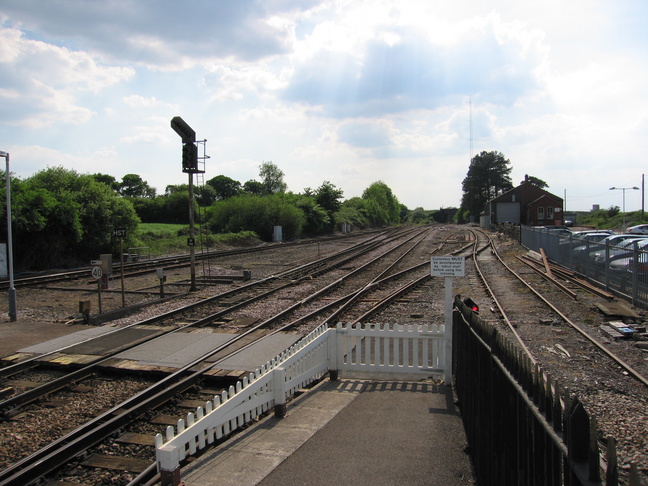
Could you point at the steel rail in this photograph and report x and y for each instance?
(625, 366)
(66, 448)
(148, 266)
(482, 277)
(9, 406)
(287, 274)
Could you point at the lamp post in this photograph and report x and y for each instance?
(624, 190)
(13, 315)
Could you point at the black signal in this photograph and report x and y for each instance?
(189, 157)
(471, 304)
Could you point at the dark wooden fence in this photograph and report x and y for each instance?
(522, 426)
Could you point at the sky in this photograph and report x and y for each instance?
(343, 91)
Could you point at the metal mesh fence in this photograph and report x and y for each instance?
(620, 268)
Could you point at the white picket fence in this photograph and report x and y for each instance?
(370, 351)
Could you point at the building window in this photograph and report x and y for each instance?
(540, 213)
(550, 212)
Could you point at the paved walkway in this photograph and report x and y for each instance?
(347, 432)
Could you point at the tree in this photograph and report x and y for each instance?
(536, 182)
(317, 220)
(173, 188)
(487, 177)
(382, 206)
(61, 218)
(353, 212)
(259, 214)
(272, 178)
(225, 187)
(109, 180)
(253, 187)
(328, 197)
(133, 185)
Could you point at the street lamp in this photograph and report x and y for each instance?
(624, 190)
(13, 315)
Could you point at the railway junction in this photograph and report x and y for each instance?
(201, 343)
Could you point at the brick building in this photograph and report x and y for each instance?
(525, 204)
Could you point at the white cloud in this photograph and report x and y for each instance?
(349, 91)
(42, 83)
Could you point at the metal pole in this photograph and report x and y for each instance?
(121, 269)
(13, 314)
(192, 253)
(623, 188)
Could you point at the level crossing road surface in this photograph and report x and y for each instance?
(351, 432)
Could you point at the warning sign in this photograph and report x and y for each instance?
(448, 266)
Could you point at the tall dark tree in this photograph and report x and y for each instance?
(225, 187)
(328, 197)
(107, 179)
(536, 182)
(487, 177)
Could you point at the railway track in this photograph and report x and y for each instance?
(530, 302)
(195, 315)
(556, 325)
(150, 265)
(392, 283)
(67, 448)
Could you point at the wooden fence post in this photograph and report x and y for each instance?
(332, 353)
(279, 387)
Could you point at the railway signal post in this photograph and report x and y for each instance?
(189, 166)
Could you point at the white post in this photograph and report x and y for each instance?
(168, 465)
(448, 267)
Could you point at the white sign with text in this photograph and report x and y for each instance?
(448, 266)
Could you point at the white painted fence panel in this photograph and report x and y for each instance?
(370, 351)
(379, 351)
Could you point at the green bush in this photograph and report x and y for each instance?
(259, 214)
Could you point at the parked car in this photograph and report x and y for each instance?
(583, 242)
(615, 242)
(640, 229)
(556, 230)
(587, 232)
(622, 260)
(641, 266)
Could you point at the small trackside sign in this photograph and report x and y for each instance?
(448, 266)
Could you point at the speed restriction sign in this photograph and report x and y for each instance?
(97, 273)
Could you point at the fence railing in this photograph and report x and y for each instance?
(618, 269)
(523, 427)
(370, 351)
